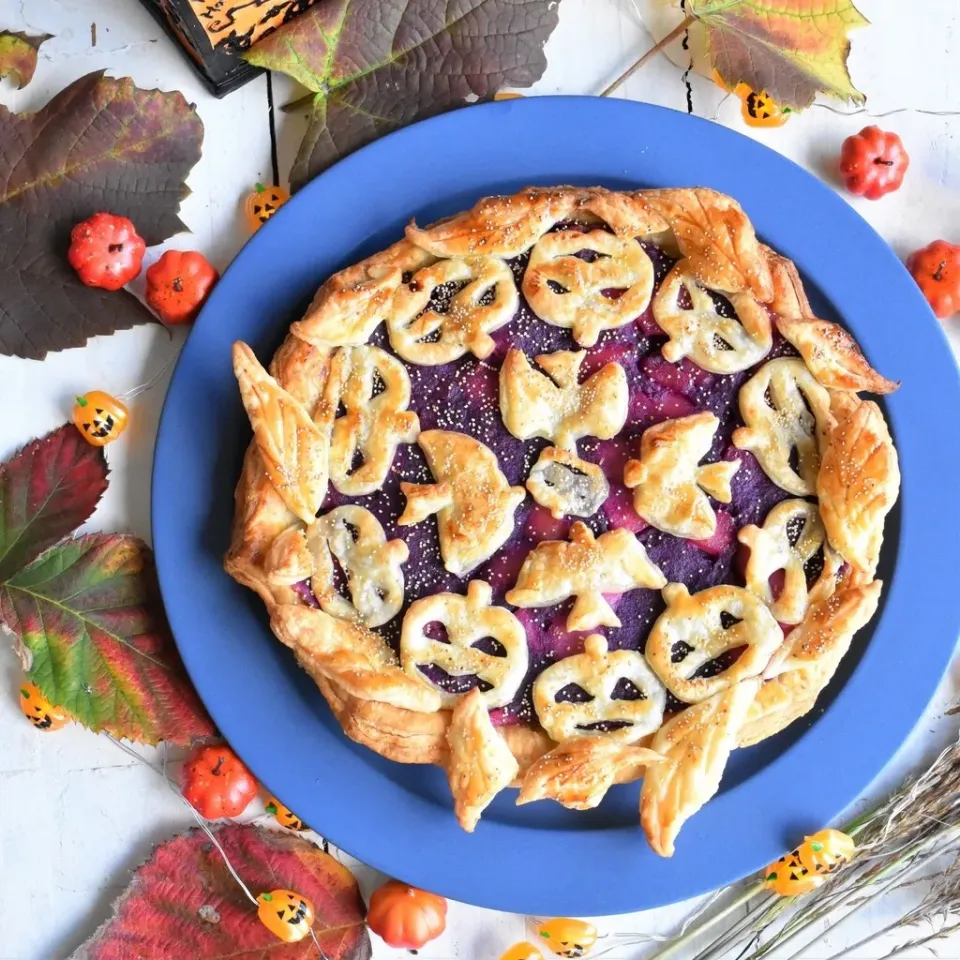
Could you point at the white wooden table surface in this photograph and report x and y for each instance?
(76, 814)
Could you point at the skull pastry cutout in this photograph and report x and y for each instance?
(585, 567)
(791, 538)
(718, 343)
(468, 621)
(588, 282)
(555, 405)
(695, 630)
(785, 409)
(353, 537)
(668, 485)
(599, 673)
(429, 325)
(372, 423)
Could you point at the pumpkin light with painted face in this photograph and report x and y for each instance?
(284, 815)
(567, 937)
(826, 851)
(285, 914)
(43, 714)
(789, 877)
(262, 203)
(100, 417)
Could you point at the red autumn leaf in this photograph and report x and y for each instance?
(47, 490)
(87, 618)
(183, 903)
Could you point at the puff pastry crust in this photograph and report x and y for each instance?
(333, 407)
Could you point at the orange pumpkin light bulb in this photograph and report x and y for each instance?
(100, 417)
(405, 916)
(284, 815)
(43, 714)
(262, 203)
(788, 877)
(826, 851)
(567, 937)
(285, 914)
(522, 951)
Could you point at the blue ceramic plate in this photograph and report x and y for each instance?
(541, 859)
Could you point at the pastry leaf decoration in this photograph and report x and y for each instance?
(85, 611)
(186, 881)
(117, 148)
(793, 49)
(372, 66)
(18, 56)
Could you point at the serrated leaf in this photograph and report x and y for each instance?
(100, 144)
(793, 49)
(47, 490)
(18, 55)
(89, 614)
(183, 903)
(376, 65)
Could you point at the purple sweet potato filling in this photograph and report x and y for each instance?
(463, 396)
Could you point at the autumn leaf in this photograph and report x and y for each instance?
(376, 65)
(100, 144)
(183, 903)
(793, 49)
(87, 612)
(47, 490)
(18, 55)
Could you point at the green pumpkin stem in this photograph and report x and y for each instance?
(82, 401)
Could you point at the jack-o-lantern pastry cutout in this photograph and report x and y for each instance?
(579, 772)
(353, 303)
(43, 714)
(701, 332)
(599, 672)
(285, 914)
(467, 621)
(484, 299)
(358, 660)
(295, 451)
(697, 629)
(791, 538)
(372, 389)
(858, 484)
(832, 355)
(352, 538)
(788, 877)
(585, 567)
(808, 658)
(552, 403)
(99, 417)
(480, 763)
(787, 415)
(695, 746)
(567, 937)
(606, 289)
(566, 485)
(472, 499)
(669, 487)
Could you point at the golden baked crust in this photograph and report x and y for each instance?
(311, 424)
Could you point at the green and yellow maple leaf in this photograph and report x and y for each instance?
(793, 49)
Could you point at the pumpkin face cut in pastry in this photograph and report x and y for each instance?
(585, 567)
(697, 629)
(466, 622)
(472, 499)
(552, 403)
(788, 417)
(605, 287)
(715, 342)
(669, 487)
(505, 435)
(598, 672)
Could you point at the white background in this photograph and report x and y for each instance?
(76, 814)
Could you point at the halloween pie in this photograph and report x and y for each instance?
(567, 491)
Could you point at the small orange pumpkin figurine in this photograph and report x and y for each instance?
(405, 916)
(285, 914)
(100, 417)
(43, 714)
(522, 951)
(789, 877)
(567, 937)
(262, 203)
(826, 851)
(284, 815)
